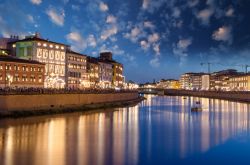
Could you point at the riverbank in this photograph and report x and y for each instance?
(224, 95)
(30, 105)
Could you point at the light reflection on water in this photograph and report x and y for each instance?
(159, 130)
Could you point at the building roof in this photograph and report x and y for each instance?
(92, 60)
(75, 53)
(18, 60)
(37, 39)
(108, 61)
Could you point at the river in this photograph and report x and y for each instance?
(159, 130)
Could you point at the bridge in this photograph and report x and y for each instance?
(154, 91)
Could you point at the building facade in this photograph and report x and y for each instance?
(76, 70)
(168, 84)
(45, 51)
(220, 80)
(106, 74)
(240, 83)
(191, 81)
(93, 71)
(17, 73)
(205, 82)
(117, 69)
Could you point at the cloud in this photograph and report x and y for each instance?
(145, 45)
(36, 2)
(76, 40)
(193, 3)
(156, 48)
(75, 7)
(153, 38)
(148, 24)
(92, 41)
(176, 12)
(204, 15)
(181, 48)
(155, 62)
(109, 32)
(224, 34)
(111, 19)
(56, 16)
(230, 12)
(103, 7)
(184, 43)
(134, 35)
(145, 4)
(30, 18)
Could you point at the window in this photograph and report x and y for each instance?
(8, 67)
(15, 67)
(24, 78)
(16, 78)
(40, 79)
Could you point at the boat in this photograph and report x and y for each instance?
(196, 109)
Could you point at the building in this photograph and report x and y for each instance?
(106, 74)
(93, 71)
(220, 80)
(191, 81)
(117, 69)
(240, 83)
(16, 73)
(51, 53)
(168, 84)
(76, 70)
(205, 82)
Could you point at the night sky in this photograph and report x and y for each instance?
(154, 39)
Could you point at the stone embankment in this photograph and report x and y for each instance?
(16, 105)
(225, 95)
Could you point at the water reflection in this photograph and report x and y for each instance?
(160, 129)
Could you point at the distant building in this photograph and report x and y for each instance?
(191, 81)
(93, 72)
(240, 83)
(168, 84)
(76, 70)
(45, 51)
(205, 82)
(220, 80)
(16, 73)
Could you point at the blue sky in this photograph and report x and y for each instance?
(154, 39)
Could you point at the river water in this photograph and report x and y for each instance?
(159, 130)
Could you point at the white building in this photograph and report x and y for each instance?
(205, 81)
(45, 51)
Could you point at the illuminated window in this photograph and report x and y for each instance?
(62, 47)
(40, 79)
(57, 47)
(39, 44)
(45, 45)
(51, 46)
(8, 67)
